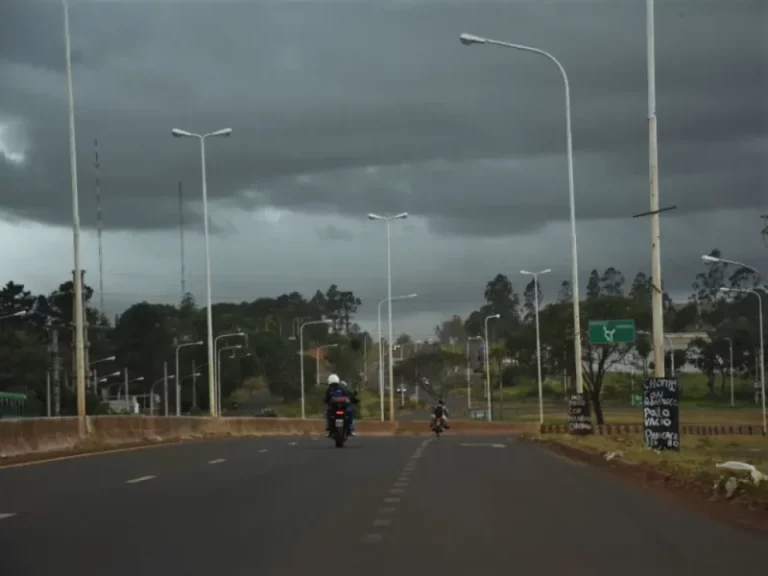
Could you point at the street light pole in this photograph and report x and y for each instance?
(389, 345)
(388, 220)
(538, 338)
(216, 371)
(469, 39)
(78, 280)
(730, 367)
(469, 374)
(671, 356)
(317, 368)
(762, 346)
(218, 366)
(178, 382)
(653, 161)
(301, 362)
(209, 304)
(488, 365)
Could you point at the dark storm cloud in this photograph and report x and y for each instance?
(325, 89)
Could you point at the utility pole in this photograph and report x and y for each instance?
(86, 326)
(165, 388)
(194, 386)
(48, 393)
(653, 161)
(54, 349)
(181, 237)
(99, 226)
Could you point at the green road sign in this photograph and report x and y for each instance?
(612, 331)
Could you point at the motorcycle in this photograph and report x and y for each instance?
(438, 426)
(340, 420)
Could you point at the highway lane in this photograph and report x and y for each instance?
(379, 506)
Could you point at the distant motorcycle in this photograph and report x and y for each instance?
(340, 428)
(438, 426)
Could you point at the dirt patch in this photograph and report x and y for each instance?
(744, 512)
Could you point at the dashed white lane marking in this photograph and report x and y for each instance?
(292, 443)
(481, 445)
(141, 479)
(262, 451)
(5, 515)
(217, 461)
(398, 487)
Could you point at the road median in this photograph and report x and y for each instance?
(30, 439)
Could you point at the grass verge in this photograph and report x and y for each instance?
(691, 474)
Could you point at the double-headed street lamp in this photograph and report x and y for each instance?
(218, 375)
(381, 355)
(94, 375)
(538, 338)
(388, 220)
(209, 304)
(301, 360)
(216, 370)
(469, 374)
(178, 382)
(469, 39)
(488, 363)
(317, 358)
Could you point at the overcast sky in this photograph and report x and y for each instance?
(341, 108)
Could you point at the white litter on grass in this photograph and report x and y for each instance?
(615, 454)
(754, 473)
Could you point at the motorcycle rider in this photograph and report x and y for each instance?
(440, 411)
(336, 388)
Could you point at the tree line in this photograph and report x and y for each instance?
(144, 338)
(724, 321)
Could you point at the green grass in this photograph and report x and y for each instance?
(697, 457)
(697, 406)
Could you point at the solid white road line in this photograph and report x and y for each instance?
(142, 479)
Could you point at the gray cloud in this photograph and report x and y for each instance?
(328, 88)
(342, 108)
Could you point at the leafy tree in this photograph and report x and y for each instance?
(451, 330)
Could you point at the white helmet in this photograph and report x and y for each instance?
(333, 379)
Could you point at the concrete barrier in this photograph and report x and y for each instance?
(32, 435)
(35, 436)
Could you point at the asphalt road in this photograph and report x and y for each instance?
(380, 506)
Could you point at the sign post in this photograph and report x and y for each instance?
(579, 417)
(661, 414)
(611, 331)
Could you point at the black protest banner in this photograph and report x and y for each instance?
(579, 417)
(661, 413)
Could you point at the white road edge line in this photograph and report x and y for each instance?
(7, 515)
(217, 461)
(142, 479)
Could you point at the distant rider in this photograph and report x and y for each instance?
(337, 388)
(440, 411)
